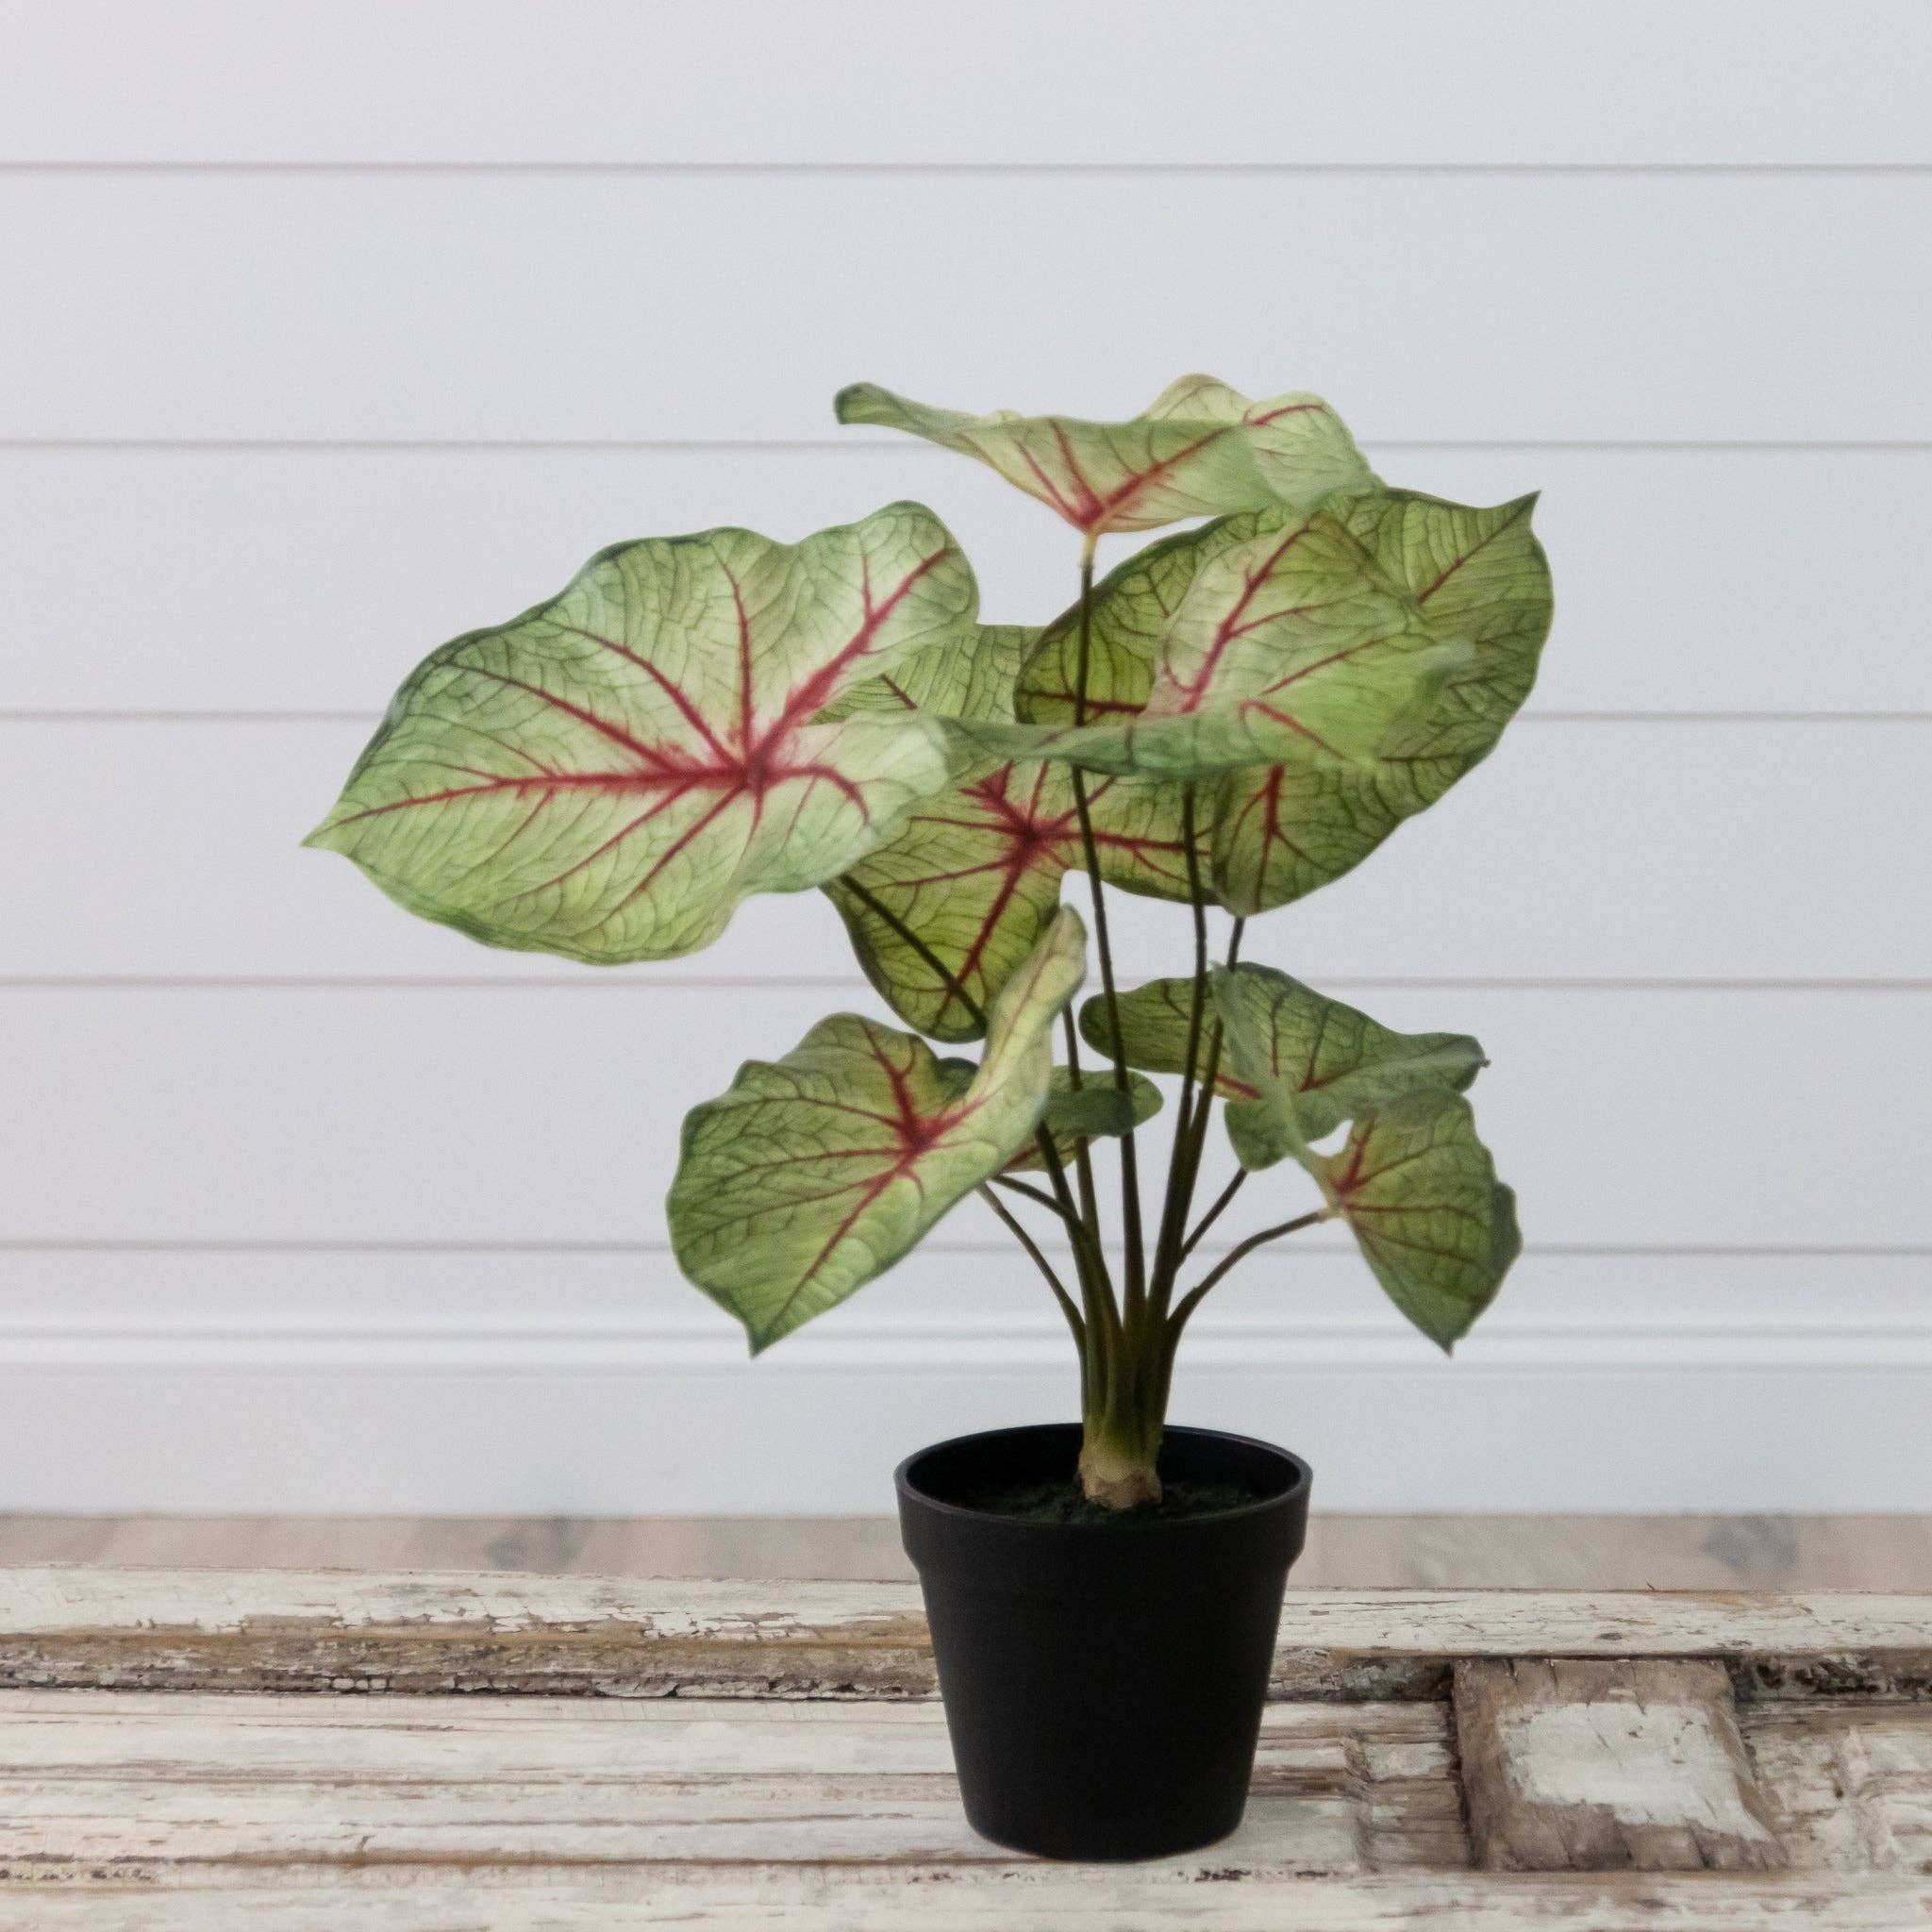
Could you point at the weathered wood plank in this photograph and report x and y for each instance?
(1851, 1784)
(277, 1630)
(105, 1785)
(703, 1898)
(1594, 1766)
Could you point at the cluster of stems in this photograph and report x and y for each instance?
(1126, 1331)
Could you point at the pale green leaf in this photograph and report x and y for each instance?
(1199, 449)
(975, 873)
(1096, 1109)
(610, 774)
(1482, 584)
(1291, 647)
(1420, 1193)
(816, 1172)
(1306, 1062)
(1156, 1021)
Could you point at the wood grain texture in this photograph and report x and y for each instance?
(1573, 1766)
(284, 1630)
(146, 1787)
(1002, 1898)
(1344, 1551)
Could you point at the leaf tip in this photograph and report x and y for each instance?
(858, 402)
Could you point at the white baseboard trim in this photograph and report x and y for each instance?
(511, 1385)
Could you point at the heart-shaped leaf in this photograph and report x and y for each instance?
(1156, 1020)
(610, 774)
(1306, 1063)
(1420, 1193)
(816, 1172)
(1199, 449)
(975, 872)
(1290, 646)
(1482, 584)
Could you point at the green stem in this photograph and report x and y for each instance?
(1179, 1196)
(1123, 1080)
(1195, 1295)
(1083, 1159)
(1214, 1214)
(1040, 1261)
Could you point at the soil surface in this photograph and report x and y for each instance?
(1060, 1500)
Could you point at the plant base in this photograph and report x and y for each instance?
(1103, 1681)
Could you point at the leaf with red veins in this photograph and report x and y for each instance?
(610, 774)
(975, 872)
(1482, 583)
(817, 1172)
(1308, 1063)
(1291, 647)
(1156, 1021)
(1420, 1193)
(1198, 449)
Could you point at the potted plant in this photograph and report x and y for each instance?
(1237, 714)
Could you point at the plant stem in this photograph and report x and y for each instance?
(1130, 1172)
(1083, 1158)
(1040, 1261)
(1027, 1188)
(1213, 1214)
(956, 987)
(1179, 1196)
(1192, 1299)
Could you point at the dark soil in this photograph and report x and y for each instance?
(1060, 1500)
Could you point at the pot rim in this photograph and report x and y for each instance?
(1292, 1496)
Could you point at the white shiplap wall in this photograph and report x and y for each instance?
(329, 330)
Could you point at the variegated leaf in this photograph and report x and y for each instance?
(1156, 1020)
(1289, 647)
(1199, 449)
(1420, 1193)
(1096, 1109)
(1306, 1063)
(816, 1172)
(1482, 583)
(975, 870)
(610, 774)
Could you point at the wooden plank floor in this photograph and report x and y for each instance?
(1889, 1553)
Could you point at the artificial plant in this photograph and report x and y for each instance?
(1236, 715)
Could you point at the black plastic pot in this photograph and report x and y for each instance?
(1103, 1682)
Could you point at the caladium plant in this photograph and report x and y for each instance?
(1238, 713)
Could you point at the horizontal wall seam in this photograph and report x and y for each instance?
(230, 166)
(869, 445)
(368, 719)
(595, 980)
(78, 1244)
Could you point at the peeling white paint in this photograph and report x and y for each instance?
(1647, 1764)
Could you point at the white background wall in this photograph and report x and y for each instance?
(330, 328)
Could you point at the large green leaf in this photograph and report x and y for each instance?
(1198, 449)
(975, 871)
(1291, 647)
(610, 774)
(1305, 1063)
(1482, 584)
(1420, 1193)
(816, 1172)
